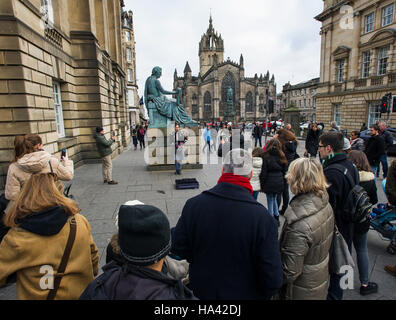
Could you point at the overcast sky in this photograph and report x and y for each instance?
(281, 36)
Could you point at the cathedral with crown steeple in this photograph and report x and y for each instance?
(205, 96)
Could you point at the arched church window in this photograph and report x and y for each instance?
(249, 102)
(207, 102)
(261, 100)
(228, 81)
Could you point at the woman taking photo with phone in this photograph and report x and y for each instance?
(46, 233)
(31, 158)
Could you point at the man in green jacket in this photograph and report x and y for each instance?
(105, 151)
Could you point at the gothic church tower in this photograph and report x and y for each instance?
(211, 49)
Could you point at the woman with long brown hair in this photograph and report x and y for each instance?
(272, 175)
(289, 144)
(41, 221)
(30, 158)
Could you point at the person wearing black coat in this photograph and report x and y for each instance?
(330, 149)
(229, 239)
(312, 141)
(374, 148)
(289, 144)
(272, 176)
(257, 133)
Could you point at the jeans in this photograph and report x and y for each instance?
(255, 195)
(360, 245)
(375, 170)
(178, 165)
(257, 139)
(272, 204)
(384, 162)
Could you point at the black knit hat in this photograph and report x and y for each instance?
(99, 129)
(143, 234)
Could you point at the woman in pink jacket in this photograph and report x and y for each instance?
(31, 158)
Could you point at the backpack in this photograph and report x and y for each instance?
(357, 207)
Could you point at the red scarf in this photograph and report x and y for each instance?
(235, 179)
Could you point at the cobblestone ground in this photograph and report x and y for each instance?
(100, 203)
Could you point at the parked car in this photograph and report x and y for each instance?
(365, 135)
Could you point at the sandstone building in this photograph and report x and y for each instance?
(128, 47)
(358, 61)
(302, 96)
(61, 75)
(204, 96)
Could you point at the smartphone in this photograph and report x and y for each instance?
(63, 153)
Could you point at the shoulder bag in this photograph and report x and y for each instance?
(65, 259)
(339, 253)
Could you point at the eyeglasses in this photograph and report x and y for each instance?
(319, 146)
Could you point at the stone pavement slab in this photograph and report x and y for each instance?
(100, 204)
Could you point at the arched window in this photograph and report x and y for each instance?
(228, 81)
(261, 100)
(195, 104)
(249, 102)
(207, 102)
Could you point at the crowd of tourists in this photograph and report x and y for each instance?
(226, 245)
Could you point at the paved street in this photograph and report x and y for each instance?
(100, 204)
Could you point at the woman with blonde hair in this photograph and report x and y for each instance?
(45, 229)
(307, 233)
(30, 158)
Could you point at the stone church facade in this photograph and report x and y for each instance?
(204, 96)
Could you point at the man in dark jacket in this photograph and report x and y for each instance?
(144, 241)
(230, 240)
(388, 139)
(374, 148)
(330, 149)
(105, 151)
(257, 133)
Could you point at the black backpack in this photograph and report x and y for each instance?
(357, 207)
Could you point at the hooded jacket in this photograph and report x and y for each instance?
(128, 282)
(374, 148)
(305, 243)
(255, 180)
(104, 145)
(19, 172)
(40, 240)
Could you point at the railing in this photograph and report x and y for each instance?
(377, 81)
(338, 87)
(392, 78)
(360, 83)
(54, 36)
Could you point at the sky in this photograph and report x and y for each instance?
(280, 36)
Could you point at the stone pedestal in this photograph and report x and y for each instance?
(292, 116)
(160, 151)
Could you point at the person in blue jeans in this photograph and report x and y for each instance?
(272, 175)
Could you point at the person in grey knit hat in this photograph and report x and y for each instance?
(143, 242)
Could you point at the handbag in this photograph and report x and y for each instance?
(65, 259)
(339, 253)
